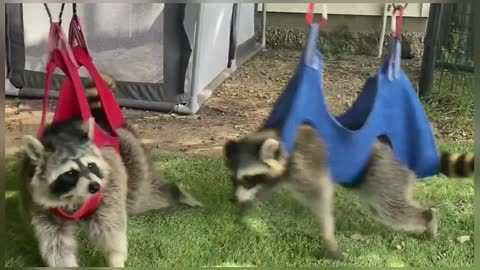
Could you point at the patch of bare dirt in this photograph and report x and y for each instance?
(237, 107)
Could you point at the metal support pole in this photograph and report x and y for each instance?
(430, 49)
(382, 35)
(264, 25)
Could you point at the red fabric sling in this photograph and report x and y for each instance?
(72, 100)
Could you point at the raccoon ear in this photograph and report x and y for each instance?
(270, 153)
(33, 147)
(270, 150)
(88, 127)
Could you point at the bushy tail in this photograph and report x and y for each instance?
(457, 165)
(180, 196)
(160, 197)
(94, 102)
(92, 93)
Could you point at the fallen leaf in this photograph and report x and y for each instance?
(22, 107)
(356, 237)
(464, 238)
(9, 111)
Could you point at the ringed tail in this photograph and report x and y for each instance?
(457, 165)
(92, 94)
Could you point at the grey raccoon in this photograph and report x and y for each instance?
(258, 165)
(65, 168)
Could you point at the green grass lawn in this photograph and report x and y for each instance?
(280, 232)
(452, 105)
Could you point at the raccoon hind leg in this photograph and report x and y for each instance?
(323, 208)
(388, 188)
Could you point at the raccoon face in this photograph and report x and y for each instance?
(68, 167)
(256, 165)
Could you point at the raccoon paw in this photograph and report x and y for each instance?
(116, 260)
(432, 224)
(334, 255)
(332, 251)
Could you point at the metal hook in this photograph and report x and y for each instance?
(61, 13)
(396, 26)
(74, 7)
(395, 8)
(50, 14)
(310, 12)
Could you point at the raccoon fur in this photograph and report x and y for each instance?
(65, 168)
(93, 98)
(258, 165)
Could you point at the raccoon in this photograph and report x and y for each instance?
(65, 168)
(259, 165)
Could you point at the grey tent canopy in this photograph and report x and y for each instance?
(164, 57)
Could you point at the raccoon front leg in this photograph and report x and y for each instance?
(320, 194)
(109, 231)
(322, 206)
(108, 225)
(108, 228)
(57, 242)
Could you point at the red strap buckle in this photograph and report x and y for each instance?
(397, 20)
(309, 15)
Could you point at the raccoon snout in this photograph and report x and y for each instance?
(93, 187)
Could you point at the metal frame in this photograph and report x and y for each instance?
(188, 103)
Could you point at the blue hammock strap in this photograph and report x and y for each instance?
(394, 60)
(312, 56)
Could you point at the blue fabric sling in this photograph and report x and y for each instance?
(387, 106)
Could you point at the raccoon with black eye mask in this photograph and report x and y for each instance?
(257, 165)
(65, 169)
(68, 185)
(68, 167)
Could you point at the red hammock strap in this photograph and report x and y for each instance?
(76, 35)
(73, 100)
(51, 66)
(399, 21)
(71, 83)
(109, 104)
(83, 57)
(56, 39)
(310, 13)
(72, 73)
